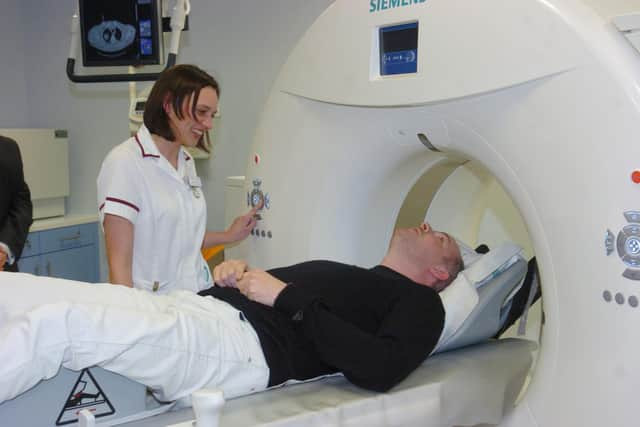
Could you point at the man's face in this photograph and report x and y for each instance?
(424, 245)
(189, 130)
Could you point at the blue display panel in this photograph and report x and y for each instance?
(399, 49)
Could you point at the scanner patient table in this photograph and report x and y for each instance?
(449, 389)
(467, 387)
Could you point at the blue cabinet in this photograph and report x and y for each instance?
(30, 265)
(65, 252)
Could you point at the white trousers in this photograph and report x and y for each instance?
(174, 344)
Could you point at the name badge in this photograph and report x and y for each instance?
(195, 181)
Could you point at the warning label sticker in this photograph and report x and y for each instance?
(85, 394)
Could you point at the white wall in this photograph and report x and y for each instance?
(242, 43)
(13, 89)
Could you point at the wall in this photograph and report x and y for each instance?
(13, 88)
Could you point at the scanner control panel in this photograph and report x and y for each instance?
(627, 245)
(256, 197)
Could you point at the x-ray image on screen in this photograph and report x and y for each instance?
(111, 37)
(120, 32)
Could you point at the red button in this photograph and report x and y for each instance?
(635, 176)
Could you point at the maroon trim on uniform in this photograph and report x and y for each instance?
(186, 156)
(124, 202)
(101, 206)
(144, 154)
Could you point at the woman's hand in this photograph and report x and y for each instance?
(238, 230)
(242, 226)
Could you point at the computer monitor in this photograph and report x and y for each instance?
(120, 32)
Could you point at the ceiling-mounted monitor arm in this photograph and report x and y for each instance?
(178, 16)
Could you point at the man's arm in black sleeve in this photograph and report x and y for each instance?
(377, 361)
(13, 231)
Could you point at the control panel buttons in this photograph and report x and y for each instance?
(256, 197)
(609, 242)
(632, 216)
(627, 245)
(631, 274)
(262, 233)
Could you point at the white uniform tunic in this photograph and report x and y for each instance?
(167, 209)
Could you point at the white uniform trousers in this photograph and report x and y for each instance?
(174, 344)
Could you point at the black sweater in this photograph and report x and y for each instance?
(375, 326)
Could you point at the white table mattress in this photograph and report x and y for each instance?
(466, 387)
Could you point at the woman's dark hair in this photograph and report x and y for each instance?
(176, 84)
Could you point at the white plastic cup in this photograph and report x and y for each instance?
(86, 419)
(207, 405)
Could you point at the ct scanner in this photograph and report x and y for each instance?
(501, 120)
(543, 96)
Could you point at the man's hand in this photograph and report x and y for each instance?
(229, 272)
(260, 286)
(3, 259)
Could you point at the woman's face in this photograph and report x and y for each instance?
(189, 130)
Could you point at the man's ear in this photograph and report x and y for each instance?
(440, 272)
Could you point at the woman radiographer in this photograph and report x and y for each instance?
(150, 197)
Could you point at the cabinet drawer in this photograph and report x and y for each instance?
(31, 245)
(74, 264)
(67, 237)
(30, 264)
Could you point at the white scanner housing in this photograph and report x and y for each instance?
(543, 97)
